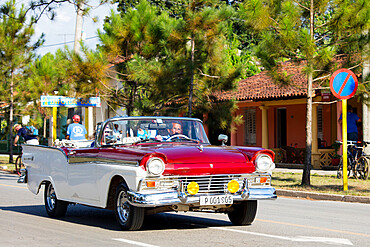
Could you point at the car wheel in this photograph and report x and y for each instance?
(128, 217)
(243, 213)
(54, 207)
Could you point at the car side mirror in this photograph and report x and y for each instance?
(223, 138)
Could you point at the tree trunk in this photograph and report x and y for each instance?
(192, 77)
(44, 133)
(11, 120)
(307, 165)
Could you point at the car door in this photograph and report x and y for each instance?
(82, 172)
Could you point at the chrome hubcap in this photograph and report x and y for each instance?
(123, 207)
(50, 198)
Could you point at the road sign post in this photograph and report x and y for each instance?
(343, 85)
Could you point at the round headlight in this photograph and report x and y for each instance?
(264, 163)
(155, 166)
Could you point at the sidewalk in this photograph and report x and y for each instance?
(317, 196)
(294, 170)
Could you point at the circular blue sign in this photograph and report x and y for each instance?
(343, 84)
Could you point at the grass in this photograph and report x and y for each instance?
(4, 163)
(328, 184)
(290, 181)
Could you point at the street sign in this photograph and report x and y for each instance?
(343, 84)
(62, 101)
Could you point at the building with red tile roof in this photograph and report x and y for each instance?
(275, 116)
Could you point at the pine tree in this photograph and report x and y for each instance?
(16, 51)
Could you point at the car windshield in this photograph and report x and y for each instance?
(131, 130)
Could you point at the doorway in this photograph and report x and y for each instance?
(281, 139)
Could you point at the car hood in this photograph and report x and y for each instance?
(205, 159)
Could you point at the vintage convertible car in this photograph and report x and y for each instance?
(145, 165)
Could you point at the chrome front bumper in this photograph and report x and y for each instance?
(174, 198)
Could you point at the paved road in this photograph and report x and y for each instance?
(283, 222)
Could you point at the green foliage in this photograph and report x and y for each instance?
(4, 124)
(284, 30)
(154, 50)
(324, 34)
(175, 8)
(16, 52)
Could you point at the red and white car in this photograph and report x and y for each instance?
(146, 165)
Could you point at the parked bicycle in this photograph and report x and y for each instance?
(361, 169)
(357, 161)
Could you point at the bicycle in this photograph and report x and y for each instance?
(352, 156)
(361, 169)
(357, 161)
(19, 164)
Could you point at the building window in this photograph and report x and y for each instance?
(319, 123)
(250, 126)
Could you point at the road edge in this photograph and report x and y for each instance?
(320, 196)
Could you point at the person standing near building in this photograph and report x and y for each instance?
(23, 132)
(76, 131)
(352, 120)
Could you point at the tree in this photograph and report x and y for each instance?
(16, 51)
(128, 41)
(178, 61)
(175, 8)
(324, 34)
(46, 76)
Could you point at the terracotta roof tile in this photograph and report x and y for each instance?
(262, 87)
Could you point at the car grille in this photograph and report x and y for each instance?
(210, 184)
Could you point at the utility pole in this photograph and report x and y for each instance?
(78, 30)
(87, 111)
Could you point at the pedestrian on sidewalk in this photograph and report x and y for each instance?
(352, 120)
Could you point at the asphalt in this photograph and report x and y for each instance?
(318, 196)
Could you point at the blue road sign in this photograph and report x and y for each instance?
(61, 101)
(343, 84)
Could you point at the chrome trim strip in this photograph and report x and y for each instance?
(174, 198)
(93, 160)
(119, 162)
(81, 159)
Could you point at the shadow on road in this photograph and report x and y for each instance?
(8, 176)
(105, 219)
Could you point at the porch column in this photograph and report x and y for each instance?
(314, 129)
(265, 131)
(365, 107)
(315, 156)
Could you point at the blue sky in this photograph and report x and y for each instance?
(61, 30)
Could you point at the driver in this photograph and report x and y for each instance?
(175, 130)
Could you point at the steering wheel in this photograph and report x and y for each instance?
(178, 136)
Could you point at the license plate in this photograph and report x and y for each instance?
(216, 200)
